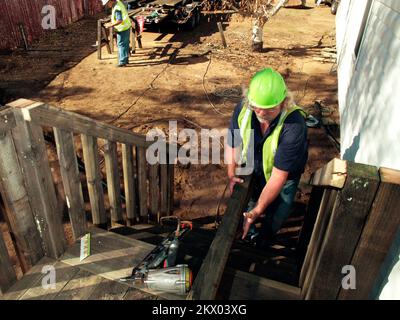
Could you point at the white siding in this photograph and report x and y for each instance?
(370, 113)
(369, 100)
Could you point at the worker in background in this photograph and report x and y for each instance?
(269, 127)
(122, 24)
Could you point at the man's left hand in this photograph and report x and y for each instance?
(108, 25)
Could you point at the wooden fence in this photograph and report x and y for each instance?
(28, 191)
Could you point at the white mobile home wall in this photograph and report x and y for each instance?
(368, 43)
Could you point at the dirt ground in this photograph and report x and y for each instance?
(188, 76)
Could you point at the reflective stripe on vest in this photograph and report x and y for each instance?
(126, 21)
(270, 144)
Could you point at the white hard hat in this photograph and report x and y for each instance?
(104, 2)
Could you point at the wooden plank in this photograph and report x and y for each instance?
(109, 290)
(317, 237)
(129, 184)
(19, 213)
(308, 226)
(93, 177)
(142, 182)
(344, 230)
(105, 34)
(377, 237)
(135, 294)
(171, 189)
(113, 181)
(80, 287)
(164, 183)
(154, 192)
(111, 32)
(207, 281)
(239, 285)
(331, 175)
(32, 156)
(31, 279)
(7, 272)
(113, 257)
(99, 38)
(56, 117)
(221, 32)
(63, 274)
(7, 120)
(71, 181)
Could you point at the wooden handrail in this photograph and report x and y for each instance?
(46, 115)
(209, 277)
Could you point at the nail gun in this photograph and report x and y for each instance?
(158, 271)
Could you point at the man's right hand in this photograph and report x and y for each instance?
(232, 181)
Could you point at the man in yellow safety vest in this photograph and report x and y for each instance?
(122, 24)
(269, 128)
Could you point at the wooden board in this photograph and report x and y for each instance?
(80, 287)
(71, 181)
(349, 214)
(377, 237)
(113, 181)
(32, 155)
(93, 177)
(7, 273)
(109, 290)
(331, 175)
(317, 236)
(239, 285)
(46, 115)
(63, 274)
(207, 280)
(129, 183)
(142, 182)
(113, 257)
(19, 213)
(30, 280)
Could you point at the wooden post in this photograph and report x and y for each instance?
(221, 31)
(308, 226)
(154, 192)
(314, 247)
(19, 213)
(133, 41)
(111, 31)
(142, 181)
(7, 273)
(164, 189)
(99, 39)
(129, 183)
(32, 155)
(377, 237)
(171, 180)
(105, 34)
(344, 230)
(71, 181)
(207, 281)
(93, 177)
(113, 182)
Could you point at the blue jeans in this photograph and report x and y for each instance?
(123, 39)
(275, 215)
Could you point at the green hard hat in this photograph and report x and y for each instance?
(267, 89)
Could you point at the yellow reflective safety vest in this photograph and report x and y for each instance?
(126, 21)
(270, 144)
